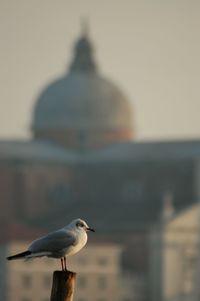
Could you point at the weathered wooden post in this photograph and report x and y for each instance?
(63, 286)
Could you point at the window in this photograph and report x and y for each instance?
(189, 264)
(47, 281)
(132, 191)
(82, 281)
(81, 138)
(59, 193)
(103, 261)
(27, 280)
(102, 283)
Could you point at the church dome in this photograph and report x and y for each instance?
(82, 101)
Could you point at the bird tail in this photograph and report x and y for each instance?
(20, 255)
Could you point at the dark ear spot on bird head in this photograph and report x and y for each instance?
(80, 224)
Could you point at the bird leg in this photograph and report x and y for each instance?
(62, 264)
(65, 263)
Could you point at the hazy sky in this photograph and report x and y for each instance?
(151, 48)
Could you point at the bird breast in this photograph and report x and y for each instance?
(81, 241)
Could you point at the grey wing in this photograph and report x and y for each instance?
(54, 242)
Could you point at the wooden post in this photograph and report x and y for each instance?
(63, 286)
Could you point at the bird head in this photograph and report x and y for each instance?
(81, 225)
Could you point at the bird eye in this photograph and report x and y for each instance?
(79, 224)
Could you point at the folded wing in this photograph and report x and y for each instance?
(54, 242)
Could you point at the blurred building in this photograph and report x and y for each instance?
(83, 162)
(99, 274)
(174, 257)
(82, 109)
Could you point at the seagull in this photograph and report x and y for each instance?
(64, 242)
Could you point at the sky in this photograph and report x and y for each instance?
(150, 48)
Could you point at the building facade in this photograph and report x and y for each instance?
(175, 257)
(99, 274)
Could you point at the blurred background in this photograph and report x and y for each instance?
(99, 119)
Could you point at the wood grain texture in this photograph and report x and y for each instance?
(63, 286)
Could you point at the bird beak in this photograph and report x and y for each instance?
(90, 229)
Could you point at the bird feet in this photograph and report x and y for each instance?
(63, 264)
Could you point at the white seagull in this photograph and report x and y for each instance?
(58, 244)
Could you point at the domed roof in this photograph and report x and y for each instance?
(82, 99)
